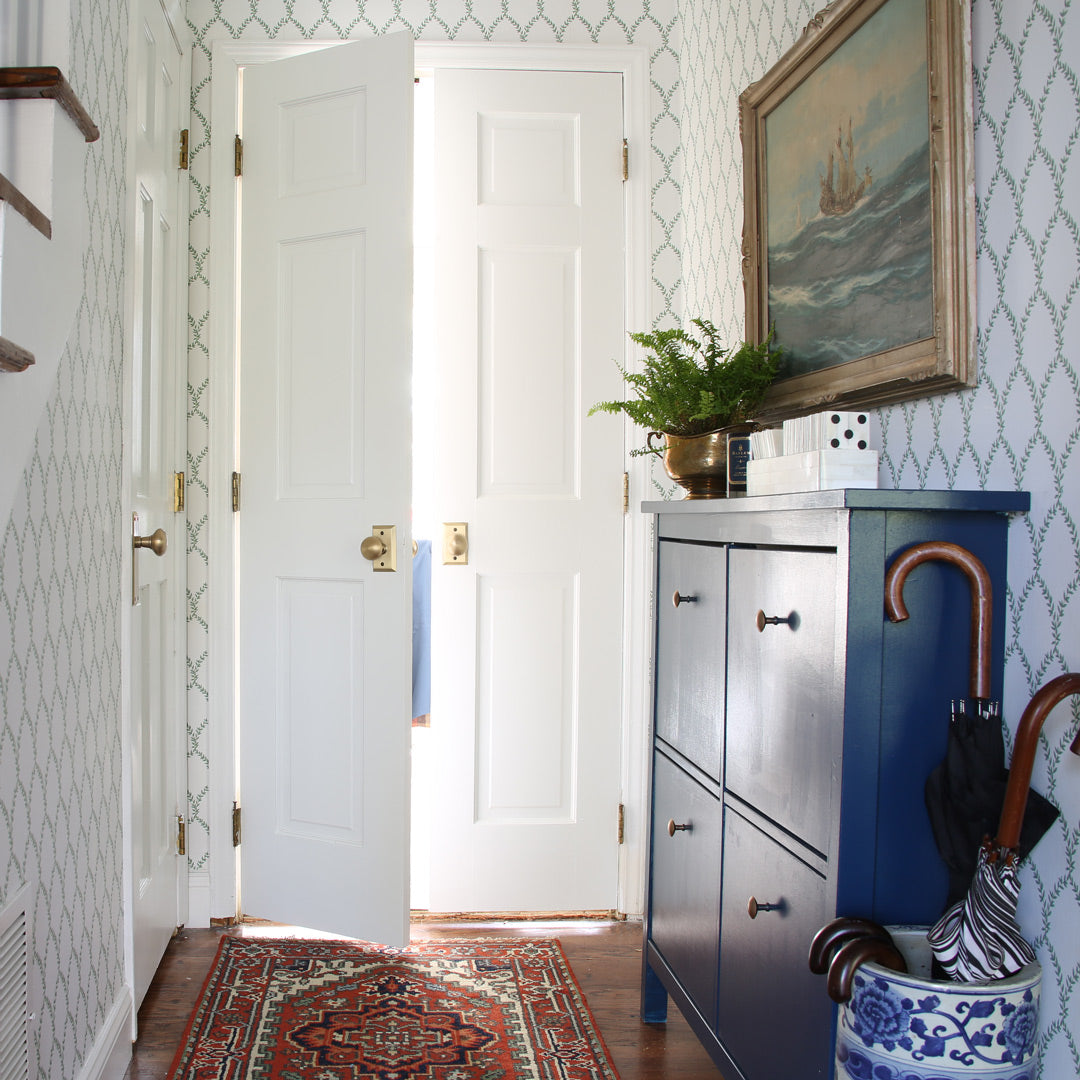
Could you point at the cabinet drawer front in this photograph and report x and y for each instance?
(784, 694)
(775, 1015)
(690, 651)
(684, 905)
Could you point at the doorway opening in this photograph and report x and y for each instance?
(423, 452)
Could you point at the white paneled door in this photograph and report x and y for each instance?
(527, 637)
(154, 732)
(324, 450)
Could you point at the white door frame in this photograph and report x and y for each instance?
(214, 895)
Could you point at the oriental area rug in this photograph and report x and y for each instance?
(480, 1009)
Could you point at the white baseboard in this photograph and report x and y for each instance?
(109, 1056)
(198, 899)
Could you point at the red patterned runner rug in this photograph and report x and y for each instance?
(480, 1009)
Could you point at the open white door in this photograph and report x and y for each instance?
(154, 451)
(323, 655)
(527, 636)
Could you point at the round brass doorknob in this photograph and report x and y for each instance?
(372, 548)
(672, 828)
(682, 598)
(157, 542)
(457, 545)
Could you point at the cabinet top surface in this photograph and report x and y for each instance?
(1003, 502)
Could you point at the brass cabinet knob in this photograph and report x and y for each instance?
(680, 598)
(753, 907)
(157, 542)
(764, 620)
(372, 548)
(672, 828)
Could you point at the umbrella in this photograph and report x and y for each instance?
(840, 946)
(978, 937)
(965, 792)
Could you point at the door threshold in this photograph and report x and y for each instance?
(421, 916)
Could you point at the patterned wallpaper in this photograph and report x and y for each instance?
(60, 583)
(1019, 428)
(652, 23)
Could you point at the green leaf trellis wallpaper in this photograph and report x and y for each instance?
(1019, 428)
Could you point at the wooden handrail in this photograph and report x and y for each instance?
(47, 82)
(9, 193)
(14, 357)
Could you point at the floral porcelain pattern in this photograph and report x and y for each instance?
(901, 1028)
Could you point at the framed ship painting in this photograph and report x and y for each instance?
(859, 226)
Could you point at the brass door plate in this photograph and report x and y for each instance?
(455, 543)
(380, 548)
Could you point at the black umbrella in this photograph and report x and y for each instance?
(978, 937)
(965, 792)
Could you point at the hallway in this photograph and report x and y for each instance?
(605, 957)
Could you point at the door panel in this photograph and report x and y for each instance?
(786, 706)
(526, 647)
(527, 773)
(691, 635)
(324, 667)
(684, 909)
(154, 451)
(763, 968)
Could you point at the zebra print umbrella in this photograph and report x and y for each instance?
(978, 939)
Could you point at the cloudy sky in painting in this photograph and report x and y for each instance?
(878, 79)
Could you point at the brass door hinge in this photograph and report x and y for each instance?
(626, 493)
(235, 825)
(236, 493)
(622, 824)
(625, 160)
(238, 157)
(178, 493)
(184, 149)
(181, 835)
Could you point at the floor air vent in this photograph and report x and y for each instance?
(14, 1055)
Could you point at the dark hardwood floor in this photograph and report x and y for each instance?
(605, 958)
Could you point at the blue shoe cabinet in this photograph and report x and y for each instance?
(793, 730)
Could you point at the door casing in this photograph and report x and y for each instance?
(213, 893)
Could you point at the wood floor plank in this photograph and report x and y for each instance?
(604, 956)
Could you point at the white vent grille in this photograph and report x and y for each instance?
(14, 1055)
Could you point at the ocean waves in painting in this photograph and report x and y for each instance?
(854, 284)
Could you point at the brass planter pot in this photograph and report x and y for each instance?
(698, 463)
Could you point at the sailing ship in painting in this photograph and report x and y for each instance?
(855, 279)
(841, 187)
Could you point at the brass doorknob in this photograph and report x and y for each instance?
(372, 548)
(672, 828)
(456, 544)
(682, 598)
(157, 542)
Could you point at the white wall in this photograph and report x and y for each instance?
(60, 589)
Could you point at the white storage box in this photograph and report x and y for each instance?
(816, 470)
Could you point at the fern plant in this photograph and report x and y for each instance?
(688, 386)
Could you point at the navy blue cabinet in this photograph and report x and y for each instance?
(794, 728)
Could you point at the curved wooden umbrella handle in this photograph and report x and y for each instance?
(837, 933)
(848, 958)
(1023, 756)
(982, 599)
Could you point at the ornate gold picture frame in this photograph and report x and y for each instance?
(859, 217)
